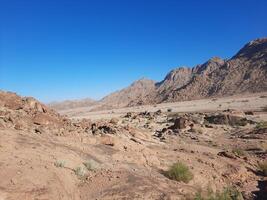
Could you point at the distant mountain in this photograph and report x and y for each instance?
(69, 104)
(138, 93)
(246, 72)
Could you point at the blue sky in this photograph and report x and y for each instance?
(56, 50)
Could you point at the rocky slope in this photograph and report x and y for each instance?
(246, 72)
(139, 93)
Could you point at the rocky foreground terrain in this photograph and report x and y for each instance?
(138, 155)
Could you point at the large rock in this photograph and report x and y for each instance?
(179, 123)
(43, 119)
(33, 104)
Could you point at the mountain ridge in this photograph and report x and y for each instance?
(245, 72)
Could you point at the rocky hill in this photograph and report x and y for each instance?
(246, 72)
(138, 93)
(27, 114)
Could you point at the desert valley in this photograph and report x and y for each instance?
(201, 133)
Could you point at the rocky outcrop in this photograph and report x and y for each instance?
(27, 113)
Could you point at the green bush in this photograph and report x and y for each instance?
(60, 163)
(80, 172)
(261, 125)
(179, 172)
(91, 165)
(239, 152)
(227, 194)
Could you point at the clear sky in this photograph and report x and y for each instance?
(62, 49)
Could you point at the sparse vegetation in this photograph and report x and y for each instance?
(60, 163)
(239, 152)
(179, 172)
(88, 166)
(169, 110)
(261, 125)
(80, 172)
(91, 165)
(227, 194)
(263, 168)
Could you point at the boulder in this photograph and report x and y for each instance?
(129, 115)
(103, 128)
(179, 123)
(227, 154)
(107, 140)
(31, 103)
(44, 119)
(158, 112)
(114, 121)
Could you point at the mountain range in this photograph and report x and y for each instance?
(245, 72)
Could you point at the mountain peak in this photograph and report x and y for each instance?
(143, 81)
(252, 48)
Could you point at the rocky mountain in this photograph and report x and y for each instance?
(138, 93)
(69, 104)
(246, 72)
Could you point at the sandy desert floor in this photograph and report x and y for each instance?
(242, 103)
(125, 153)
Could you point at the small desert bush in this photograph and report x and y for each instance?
(80, 172)
(227, 194)
(88, 166)
(263, 168)
(60, 163)
(91, 165)
(239, 152)
(261, 125)
(179, 172)
(169, 110)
